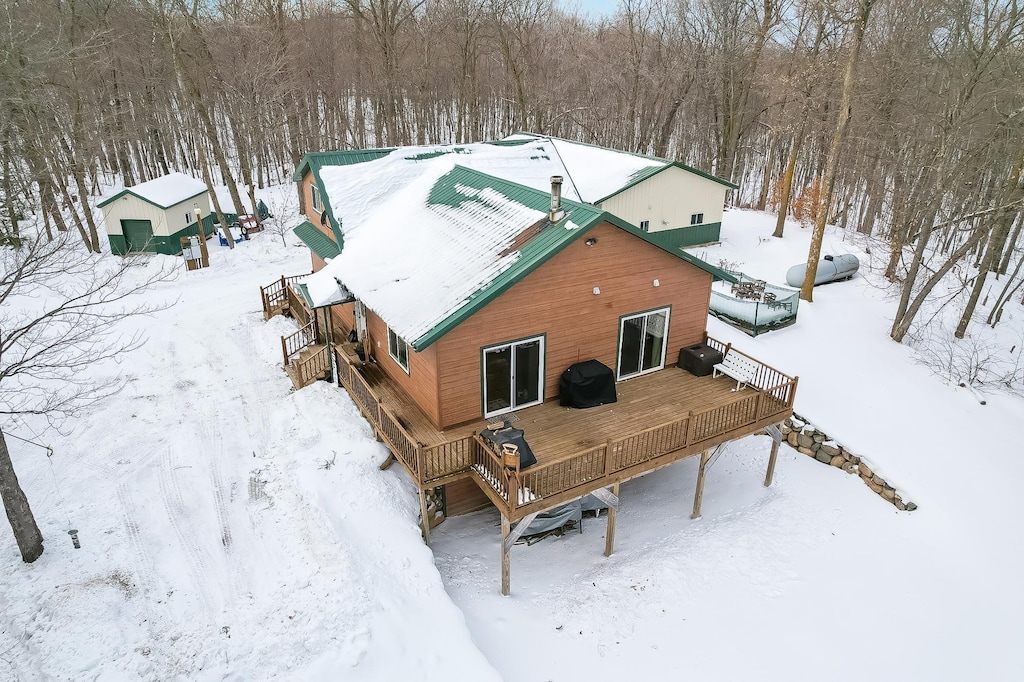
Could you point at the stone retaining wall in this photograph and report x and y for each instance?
(803, 437)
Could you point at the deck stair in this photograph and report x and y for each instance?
(275, 298)
(310, 364)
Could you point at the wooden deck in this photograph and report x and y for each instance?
(658, 419)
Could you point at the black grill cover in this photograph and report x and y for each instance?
(510, 434)
(586, 384)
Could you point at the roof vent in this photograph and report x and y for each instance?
(556, 212)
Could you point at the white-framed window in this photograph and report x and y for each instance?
(645, 225)
(318, 202)
(643, 339)
(697, 219)
(398, 349)
(512, 375)
(189, 217)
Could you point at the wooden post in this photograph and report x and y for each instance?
(699, 495)
(506, 563)
(609, 536)
(426, 517)
(284, 351)
(771, 463)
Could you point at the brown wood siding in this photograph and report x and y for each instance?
(464, 496)
(306, 187)
(421, 381)
(317, 261)
(342, 320)
(558, 300)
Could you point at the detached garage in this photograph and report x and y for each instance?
(155, 215)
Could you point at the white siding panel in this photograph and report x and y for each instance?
(133, 208)
(668, 199)
(176, 214)
(165, 223)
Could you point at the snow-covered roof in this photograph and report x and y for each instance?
(165, 191)
(420, 240)
(426, 243)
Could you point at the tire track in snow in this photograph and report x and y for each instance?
(144, 567)
(174, 505)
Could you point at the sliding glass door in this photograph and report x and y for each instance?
(642, 343)
(513, 375)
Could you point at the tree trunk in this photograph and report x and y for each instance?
(26, 532)
(860, 24)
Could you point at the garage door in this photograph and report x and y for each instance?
(138, 235)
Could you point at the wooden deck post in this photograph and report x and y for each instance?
(506, 562)
(425, 516)
(699, 495)
(771, 463)
(609, 536)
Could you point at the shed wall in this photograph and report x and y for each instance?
(668, 199)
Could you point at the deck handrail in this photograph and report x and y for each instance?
(383, 419)
(445, 459)
(489, 468)
(545, 480)
(313, 367)
(297, 341)
(587, 466)
(275, 292)
(406, 446)
(672, 435)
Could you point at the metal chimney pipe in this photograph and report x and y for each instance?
(556, 199)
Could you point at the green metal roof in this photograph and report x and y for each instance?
(535, 252)
(316, 240)
(314, 161)
(148, 201)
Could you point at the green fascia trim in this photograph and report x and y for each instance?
(317, 160)
(645, 173)
(548, 243)
(317, 241)
(141, 198)
(685, 237)
(537, 251)
(305, 294)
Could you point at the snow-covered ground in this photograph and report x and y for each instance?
(216, 544)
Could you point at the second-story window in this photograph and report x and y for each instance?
(318, 203)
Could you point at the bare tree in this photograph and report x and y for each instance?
(860, 22)
(61, 309)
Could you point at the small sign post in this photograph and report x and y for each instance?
(193, 249)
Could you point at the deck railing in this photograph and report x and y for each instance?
(276, 293)
(384, 421)
(298, 341)
(448, 458)
(317, 365)
(297, 306)
(583, 470)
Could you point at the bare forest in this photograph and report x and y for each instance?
(898, 120)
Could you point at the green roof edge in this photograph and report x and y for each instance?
(524, 268)
(128, 190)
(304, 227)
